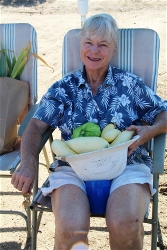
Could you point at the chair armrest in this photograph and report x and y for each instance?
(46, 135)
(27, 119)
(159, 153)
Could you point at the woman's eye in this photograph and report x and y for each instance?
(103, 45)
(88, 43)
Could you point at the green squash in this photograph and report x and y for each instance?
(86, 129)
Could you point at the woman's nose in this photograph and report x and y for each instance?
(95, 48)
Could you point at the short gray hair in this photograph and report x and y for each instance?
(101, 25)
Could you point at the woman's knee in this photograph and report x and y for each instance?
(70, 232)
(72, 217)
(127, 224)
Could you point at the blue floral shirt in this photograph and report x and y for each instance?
(122, 99)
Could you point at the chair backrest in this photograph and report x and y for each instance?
(14, 37)
(138, 53)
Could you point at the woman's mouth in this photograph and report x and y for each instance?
(93, 59)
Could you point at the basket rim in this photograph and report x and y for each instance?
(125, 145)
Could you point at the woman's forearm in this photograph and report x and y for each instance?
(31, 140)
(160, 124)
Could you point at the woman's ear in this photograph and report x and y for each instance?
(115, 49)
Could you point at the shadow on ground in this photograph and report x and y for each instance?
(17, 3)
(10, 245)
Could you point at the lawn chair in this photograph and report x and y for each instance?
(138, 52)
(14, 37)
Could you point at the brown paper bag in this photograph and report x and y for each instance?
(14, 98)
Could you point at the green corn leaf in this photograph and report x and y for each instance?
(27, 49)
(23, 54)
(20, 68)
(13, 61)
(3, 65)
(20, 72)
(18, 62)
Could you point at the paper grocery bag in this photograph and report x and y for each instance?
(14, 99)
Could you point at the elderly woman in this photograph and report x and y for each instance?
(102, 94)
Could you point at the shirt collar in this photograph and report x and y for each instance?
(109, 80)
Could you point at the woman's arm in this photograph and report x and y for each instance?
(147, 132)
(24, 175)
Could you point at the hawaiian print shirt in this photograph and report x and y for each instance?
(122, 99)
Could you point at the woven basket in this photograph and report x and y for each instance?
(103, 164)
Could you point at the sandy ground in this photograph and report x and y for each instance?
(52, 19)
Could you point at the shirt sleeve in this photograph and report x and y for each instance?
(148, 104)
(51, 106)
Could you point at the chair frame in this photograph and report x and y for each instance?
(11, 33)
(13, 43)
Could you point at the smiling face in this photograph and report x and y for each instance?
(98, 43)
(96, 52)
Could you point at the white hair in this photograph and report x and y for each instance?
(101, 25)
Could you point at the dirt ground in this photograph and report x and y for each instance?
(52, 19)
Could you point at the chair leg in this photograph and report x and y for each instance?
(26, 204)
(34, 230)
(155, 214)
(46, 157)
(34, 212)
(45, 153)
(28, 222)
(50, 142)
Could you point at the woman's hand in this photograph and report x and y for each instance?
(23, 178)
(24, 175)
(145, 133)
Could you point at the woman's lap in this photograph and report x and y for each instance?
(132, 174)
(70, 192)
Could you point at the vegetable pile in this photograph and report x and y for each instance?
(88, 137)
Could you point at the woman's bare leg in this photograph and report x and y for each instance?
(125, 212)
(72, 216)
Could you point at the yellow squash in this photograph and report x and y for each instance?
(111, 134)
(107, 128)
(124, 136)
(86, 144)
(60, 148)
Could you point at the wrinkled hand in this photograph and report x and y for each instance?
(23, 178)
(145, 133)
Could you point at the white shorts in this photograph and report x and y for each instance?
(136, 173)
